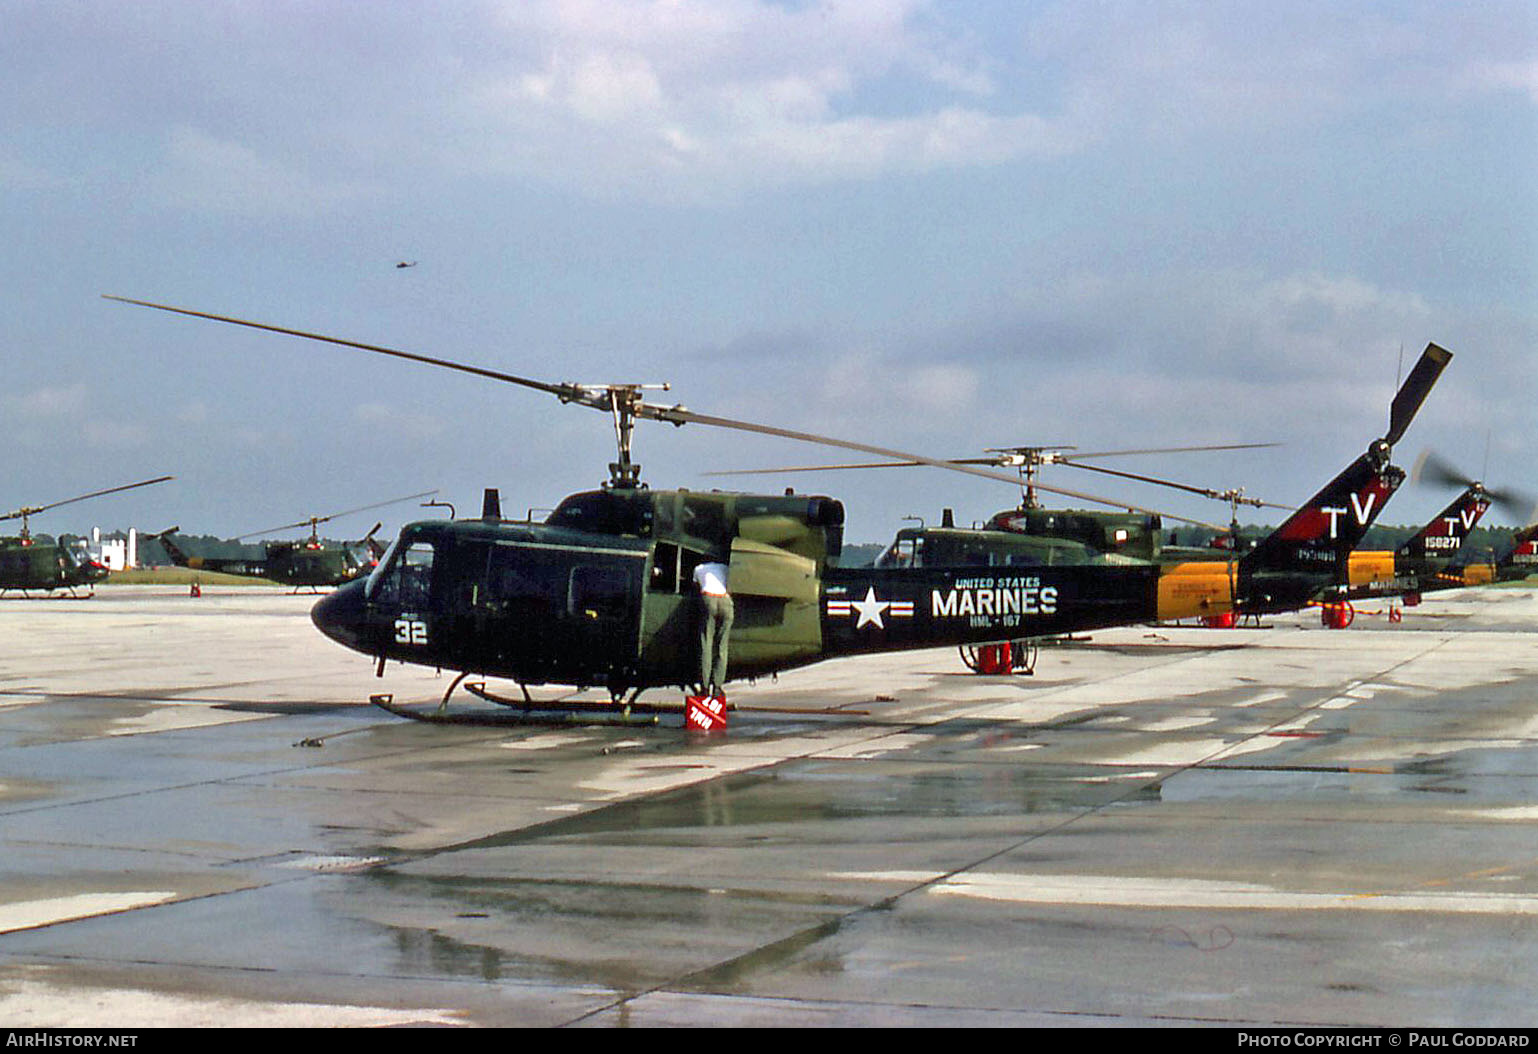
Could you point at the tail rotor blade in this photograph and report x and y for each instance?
(1415, 389)
(1432, 470)
(1522, 505)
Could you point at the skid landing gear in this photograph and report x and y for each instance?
(531, 711)
(57, 593)
(519, 718)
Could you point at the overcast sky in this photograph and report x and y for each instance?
(935, 227)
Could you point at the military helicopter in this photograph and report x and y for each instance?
(598, 595)
(1433, 558)
(1522, 561)
(27, 564)
(1055, 536)
(303, 565)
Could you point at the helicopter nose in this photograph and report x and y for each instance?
(340, 615)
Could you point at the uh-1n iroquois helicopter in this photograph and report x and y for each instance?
(599, 593)
(308, 564)
(1434, 558)
(27, 565)
(1032, 534)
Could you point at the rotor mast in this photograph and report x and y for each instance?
(624, 402)
(1027, 460)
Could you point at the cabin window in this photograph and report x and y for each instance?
(705, 519)
(976, 556)
(525, 581)
(599, 591)
(662, 515)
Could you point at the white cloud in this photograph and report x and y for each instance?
(1521, 76)
(897, 388)
(393, 422)
(63, 401)
(102, 434)
(713, 98)
(205, 172)
(64, 414)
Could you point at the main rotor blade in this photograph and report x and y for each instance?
(1414, 390)
(317, 520)
(565, 392)
(1205, 492)
(676, 415)
(848, 465)
(1165, 450)
(680, 415)
(69, 501)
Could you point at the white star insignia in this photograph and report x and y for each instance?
(870, 609)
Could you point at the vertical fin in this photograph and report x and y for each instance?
(1312, 548)
(1445, 534)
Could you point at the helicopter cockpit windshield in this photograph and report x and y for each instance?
(404, 576)
(376, 576)
(906, 551)
(77, 553)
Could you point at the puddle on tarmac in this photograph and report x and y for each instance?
(816, 790)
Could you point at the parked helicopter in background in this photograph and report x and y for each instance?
(1032, 533)
(307, 564)
(598, 595)
(1522, 561)
(1259, 585)
(27, 565)
(1434, 559)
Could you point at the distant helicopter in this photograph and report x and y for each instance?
(27, 565)
(598, 594)
(1434, 559)
(1522, 561)
(303, 565)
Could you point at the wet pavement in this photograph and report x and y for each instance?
(204, 822)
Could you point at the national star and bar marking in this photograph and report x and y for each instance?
(870, 610)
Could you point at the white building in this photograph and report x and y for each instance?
(118, 554)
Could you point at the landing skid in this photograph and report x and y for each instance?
(520, 719)
(56, 593)
(530, 711)
(528, 702)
